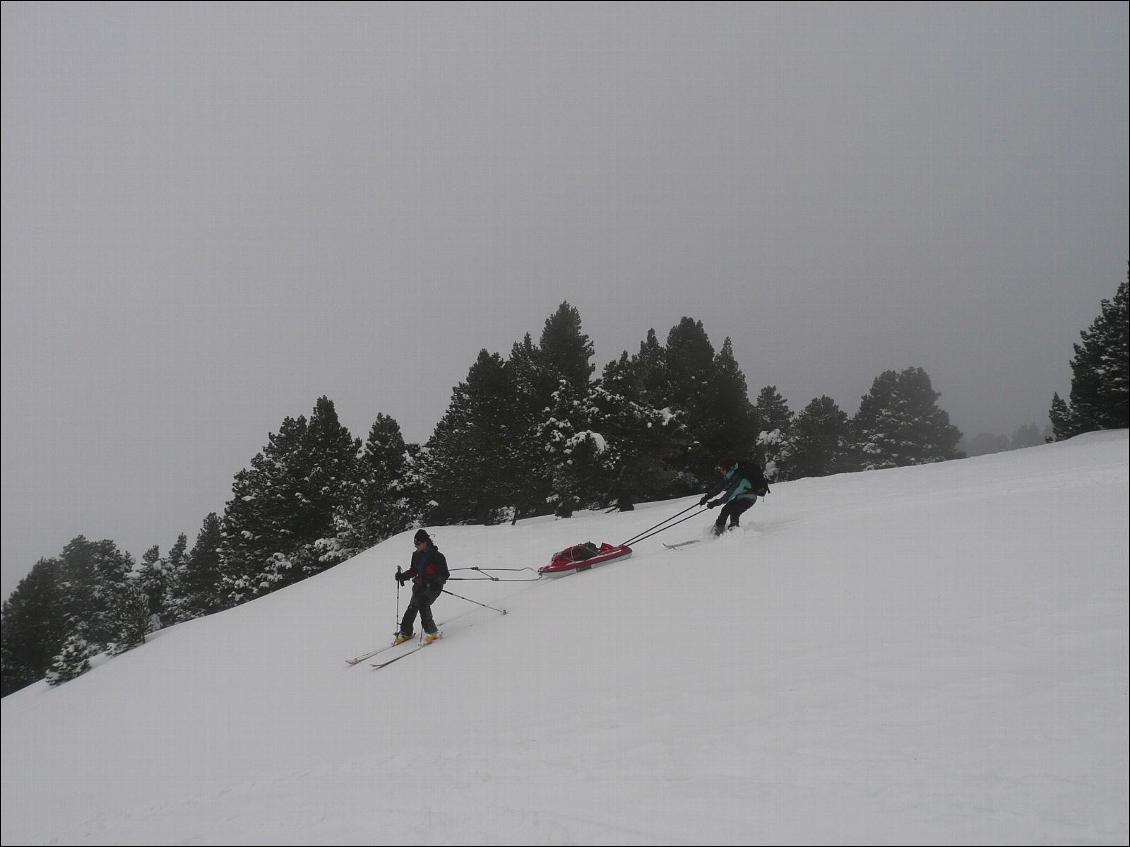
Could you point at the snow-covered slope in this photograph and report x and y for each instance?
(922, 655)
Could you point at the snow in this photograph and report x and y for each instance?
(928, 655)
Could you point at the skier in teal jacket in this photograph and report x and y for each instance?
(738, 490)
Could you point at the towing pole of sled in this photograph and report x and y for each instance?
(647, 533)
(476, 602)
(687, 518)
(486, 576)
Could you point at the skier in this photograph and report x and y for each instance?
(739, 487)
(428, 573)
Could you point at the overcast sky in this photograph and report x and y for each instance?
(214, 214)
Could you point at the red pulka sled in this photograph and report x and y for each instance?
(581, 557)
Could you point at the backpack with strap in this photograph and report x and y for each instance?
(756, 475)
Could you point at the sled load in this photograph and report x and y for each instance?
(581, 557)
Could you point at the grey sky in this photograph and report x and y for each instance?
(214, 214)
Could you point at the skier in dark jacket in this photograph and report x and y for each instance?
(738, 490)
(428, 573)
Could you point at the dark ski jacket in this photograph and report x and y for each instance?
(429, 568)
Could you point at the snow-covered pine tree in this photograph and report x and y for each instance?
(175, 565)
(643, 442)
(532, 385)
(1100, 375)
(334, 483)
(72, 660)
(692, 389)
(467, 463)
(570, 452)
(132, 619)
(286, 503)
(899, 423)
(576, 453)
(821, 440)
(202, 571)
(94, 579)
(82, 595)
(733, 425)
(775, 439)
(387, 502)
(153, 582)
(34, 627)
(565, 350)
(651, 368)
(257, 522)
(773, 410)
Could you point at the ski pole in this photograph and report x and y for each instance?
(476, 602)
(645, 533)
(398, 598)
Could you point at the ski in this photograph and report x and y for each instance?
(682, 544)
(356, 660)
(378, 665)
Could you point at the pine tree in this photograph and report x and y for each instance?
(387, 502)
(643, 443)
(203, 571)
(174, 566)
(286, 503)
(565, 350)
(575, 451)
(333, 479)
(775, 439)
(33, 628)
(899, 423)
(132, 619)
(532, 384)
(73, 660)
(564, 479)
(1063, 422)
(690, 370)
(153, 582)
(821, 440)
(732, 425)
(95, 578)
(651, 368)
(257, 522)
(71, 608)
(773, 411)
(466, 464)
(1100, 375)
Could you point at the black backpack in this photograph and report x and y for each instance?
(756, 475)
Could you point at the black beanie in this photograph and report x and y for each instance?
(421, 535)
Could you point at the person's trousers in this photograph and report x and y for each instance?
(732, 511)
(422, 598)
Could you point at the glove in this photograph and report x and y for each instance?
(713, 504)
(400, 577)
(705, 497)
